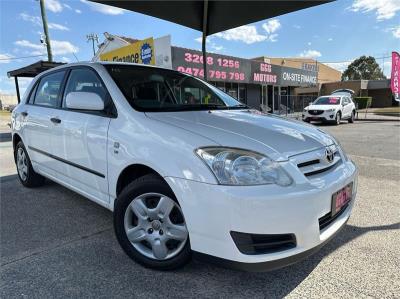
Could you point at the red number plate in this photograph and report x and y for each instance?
(341, 198)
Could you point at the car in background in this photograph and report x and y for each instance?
(332, 109)
(344, 92)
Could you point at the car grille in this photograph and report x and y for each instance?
(261, 244)
(327, 219)
(315, 112)
(315, 162)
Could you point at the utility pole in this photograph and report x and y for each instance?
(92, 37)
(46, 31)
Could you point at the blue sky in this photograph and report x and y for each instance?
(337, 32)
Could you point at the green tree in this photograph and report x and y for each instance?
(363, 68)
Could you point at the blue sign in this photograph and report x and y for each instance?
(146, 53)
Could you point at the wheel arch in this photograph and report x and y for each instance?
(131, 173)
(15, 139)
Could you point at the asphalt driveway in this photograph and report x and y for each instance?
(55, 243)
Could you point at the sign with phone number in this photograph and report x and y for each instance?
(219, 67)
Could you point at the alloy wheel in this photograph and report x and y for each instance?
(22, 164)
(155, 226)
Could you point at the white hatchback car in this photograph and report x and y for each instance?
(331, 109)
(185, 168)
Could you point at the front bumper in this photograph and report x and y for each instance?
(212, 212)
(325, 116)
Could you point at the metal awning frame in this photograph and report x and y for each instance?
(31, 71)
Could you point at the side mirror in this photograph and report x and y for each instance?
(309, 104)
(84, 101)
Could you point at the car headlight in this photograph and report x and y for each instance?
(329, 110)
(241, 167)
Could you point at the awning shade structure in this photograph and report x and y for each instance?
(31, 71)
(212, 16)
(34, 69)
(222, 15)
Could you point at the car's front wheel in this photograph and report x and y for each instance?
(338, 119)
(150, 226)
(27, 176)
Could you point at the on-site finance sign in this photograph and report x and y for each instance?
(395, 77)
(138, 52)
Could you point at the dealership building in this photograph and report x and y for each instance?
(263, 83)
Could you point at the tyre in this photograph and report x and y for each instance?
(338, 118)
(352, 117)
(150, 226)
(27, 176)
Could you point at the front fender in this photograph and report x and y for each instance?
(166, 149)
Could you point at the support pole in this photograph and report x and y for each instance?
(17, 88)
(204, 38)
(46, 31)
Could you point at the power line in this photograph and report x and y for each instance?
(22, 57)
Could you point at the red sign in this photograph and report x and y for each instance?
(395, 78)
(219, 67)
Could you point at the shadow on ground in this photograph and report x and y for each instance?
(56, 243)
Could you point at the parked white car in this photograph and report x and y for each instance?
(185, 168)
(333, 109)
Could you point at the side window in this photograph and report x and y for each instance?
(84, 80)
(48, 90)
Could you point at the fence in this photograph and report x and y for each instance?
(290, 106)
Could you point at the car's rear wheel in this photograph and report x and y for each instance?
(150, 226)
(352, 117)
(27, 176)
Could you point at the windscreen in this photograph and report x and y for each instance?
(327, 101)
(157, 90)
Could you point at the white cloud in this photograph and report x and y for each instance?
(54, 5)
(78, 11)
(210, 43)
(65, 59)
(271, 26)
(104, 9)
(33, 19)
(56, 26)
(297, 26)
(37, 21)
(340, 66)
(273, 37)
(5, 58)
(330, 39)
(58, 47)
(384, 9)
(395, 31)
(310, 54)
(309, 43)
(67, 6)
(249, 33)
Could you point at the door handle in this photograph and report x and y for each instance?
(55, 120)
(24, 114)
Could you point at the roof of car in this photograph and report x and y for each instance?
(92, 63)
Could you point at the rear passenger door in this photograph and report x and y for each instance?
(82, 142)
(41, 112)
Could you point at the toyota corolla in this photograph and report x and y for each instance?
(186, 169)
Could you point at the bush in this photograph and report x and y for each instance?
(363, 102)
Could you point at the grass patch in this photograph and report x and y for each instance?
(5, 116)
